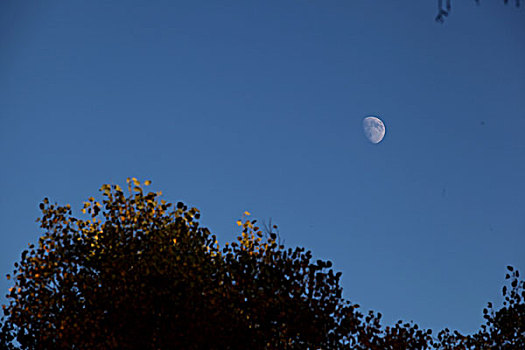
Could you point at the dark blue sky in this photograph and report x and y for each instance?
(257, 105)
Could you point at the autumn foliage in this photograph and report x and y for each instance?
(137, 272)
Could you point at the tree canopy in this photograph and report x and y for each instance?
(136, 272)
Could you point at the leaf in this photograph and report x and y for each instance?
(247, 213)
(239, 223)
(147, 182)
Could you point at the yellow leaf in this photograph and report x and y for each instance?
(247, 213)
(239, 222)
(147, 182)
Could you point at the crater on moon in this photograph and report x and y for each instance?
(374, 129)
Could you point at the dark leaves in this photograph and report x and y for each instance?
(444, 11)
(136, 275)
(143, 277)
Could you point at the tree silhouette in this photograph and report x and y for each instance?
(137, 272)
(503, 328)
(445, 9)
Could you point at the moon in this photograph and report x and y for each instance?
(374, 129)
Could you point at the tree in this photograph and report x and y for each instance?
(140, 273)
(503, 328)
(444, 10)
(137, 272)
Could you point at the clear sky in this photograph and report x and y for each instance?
(257, 105)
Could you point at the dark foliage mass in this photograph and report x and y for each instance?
(445, 8)
(139, 273)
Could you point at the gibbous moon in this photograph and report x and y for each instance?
(374, 129)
